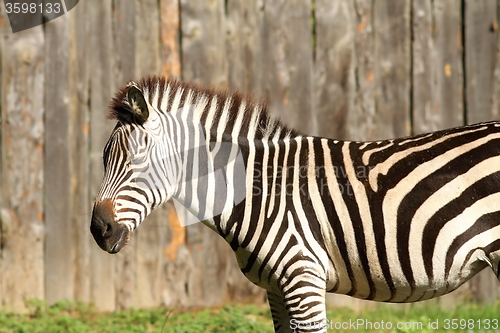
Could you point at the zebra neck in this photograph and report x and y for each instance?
(212, 181)
(264, 185)
(224, 182)
(216, 133)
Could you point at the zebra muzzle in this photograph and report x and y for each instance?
(108, 234)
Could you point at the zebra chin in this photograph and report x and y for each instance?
(110, 235)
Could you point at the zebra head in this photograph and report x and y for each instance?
(136, 171)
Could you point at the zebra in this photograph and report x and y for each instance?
(397, 220)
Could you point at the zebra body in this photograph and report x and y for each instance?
(397, 220)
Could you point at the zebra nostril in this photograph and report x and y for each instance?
(107, 230)
(103, 225)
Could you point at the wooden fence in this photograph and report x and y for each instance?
(356, 69)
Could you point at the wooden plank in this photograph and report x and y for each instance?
(392, 64)
(21, 209)
(344, 86)
(176, 259)
(203, 42)
(147, 38)
(481, 102)
(244, 21)
(170, 38)
(150, 234)
(124, 25)
(481, 41)
(334, 67)
(361, 121)
(203, 59)
(102, 87)
(178, 266)
(438, 77)
(79, 54)
(59, 250)
(245, 24)
(481, 63)
(437, 65)
(286, 60)
(2, 186)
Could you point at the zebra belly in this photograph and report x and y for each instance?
(404, 292)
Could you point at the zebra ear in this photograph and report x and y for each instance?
(138, 105)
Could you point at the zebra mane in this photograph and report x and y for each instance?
(268, 126)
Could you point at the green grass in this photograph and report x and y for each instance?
(421, 318)
(74, 317)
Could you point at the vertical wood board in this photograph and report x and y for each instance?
(392, 44)
(244, 43)
(334, 67)
(149, 235)
(286, 60)
(79, 54)
(125, 50)
(481, 43)
(170, 58)
(102, 87)
(59, 250)
(21, 211)
(203, 42)
(203, 30)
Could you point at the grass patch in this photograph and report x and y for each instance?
(421, 318)
(74, 317)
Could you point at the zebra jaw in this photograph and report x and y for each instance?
(110, 235)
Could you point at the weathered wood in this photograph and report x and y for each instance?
(2, 185)
(438, 75)
(481, 58)
(245, 24)
(59, 250)
(392, 64)
(147, 38)
(124, 25)
(204, 59)
(244, 21)
(177, 262)
(102, 87)
(286, 60)
(170, 38)
(481, 42)
(437, 65)
(178, 265)
(334, 67)
(203, 49)
(150, 235)
(22, 181)
(203, 41)
(362, 119)
(344, 81)
(79, 54)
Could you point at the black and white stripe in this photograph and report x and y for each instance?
(397, 220)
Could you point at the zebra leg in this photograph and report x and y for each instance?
(281, 319)
(305, 303)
